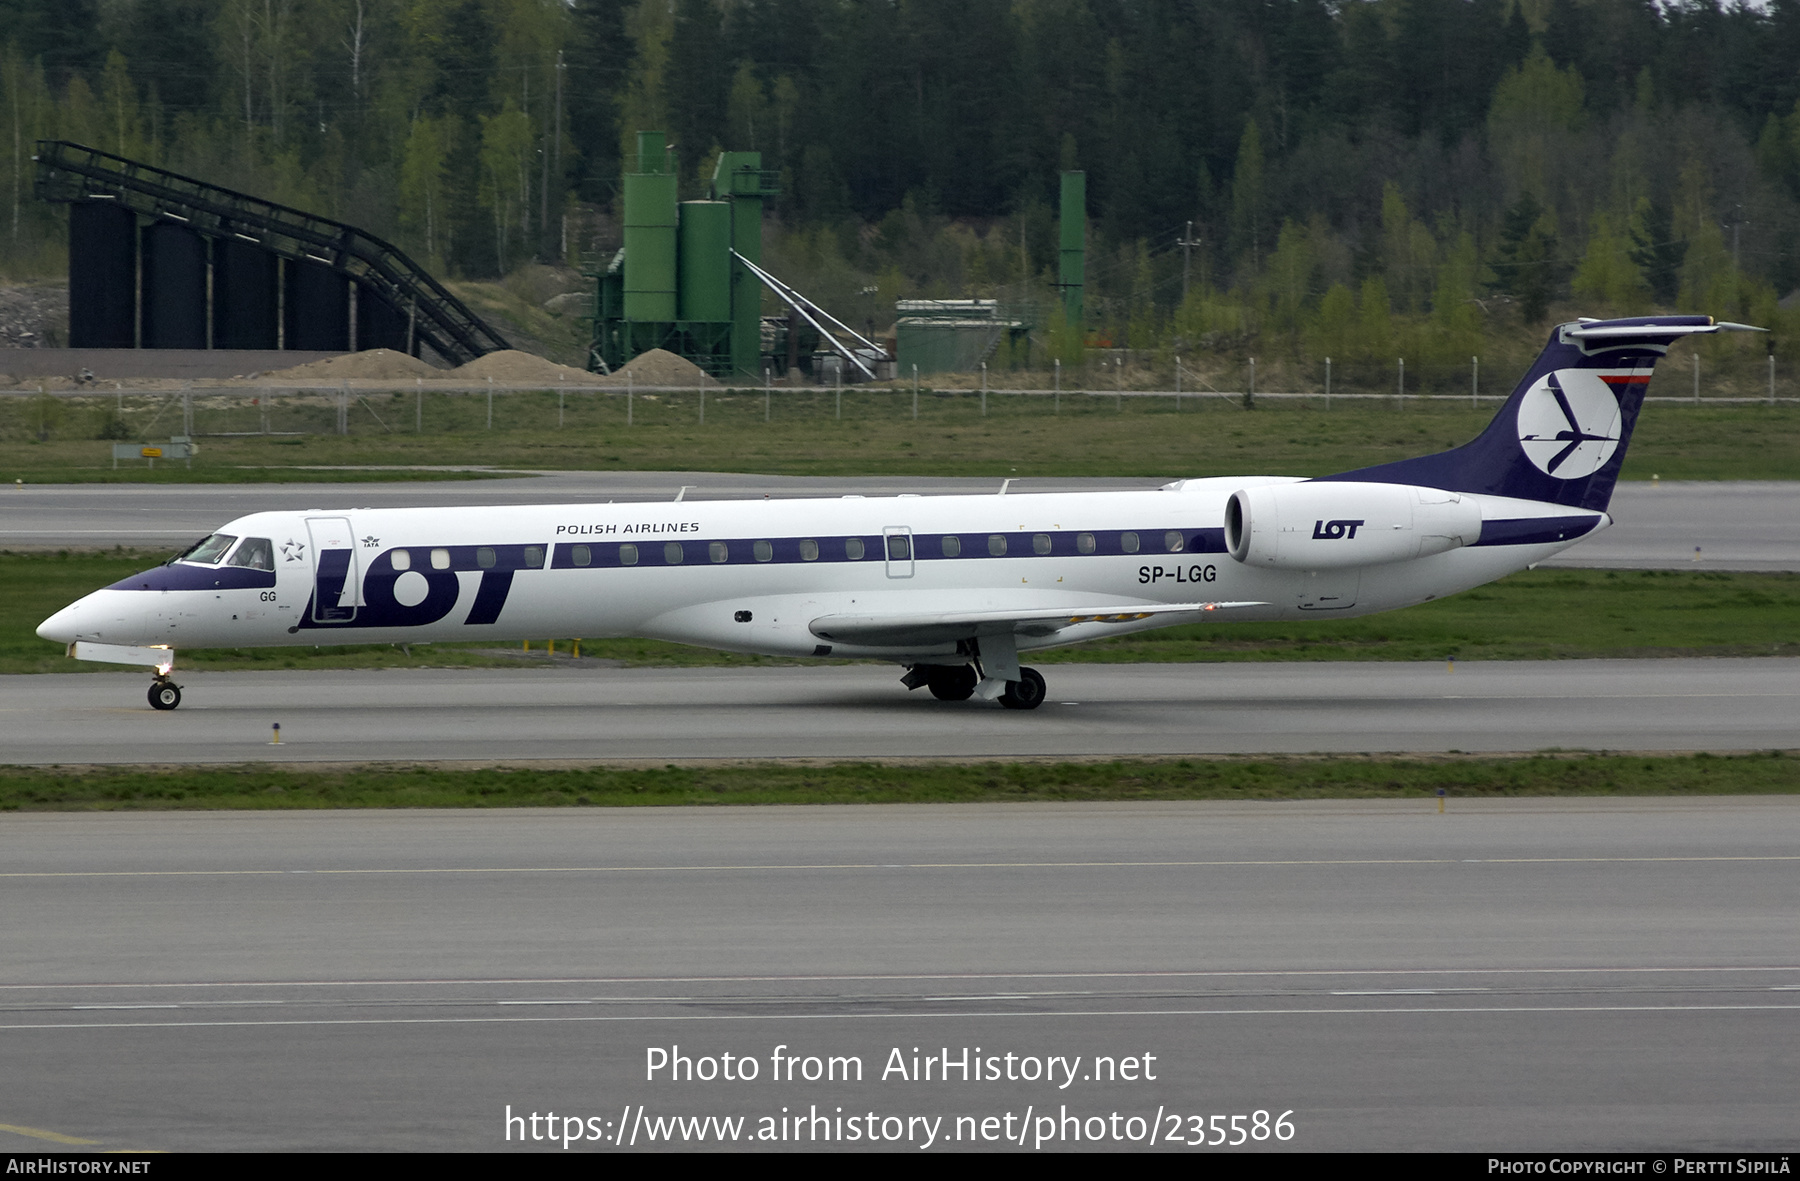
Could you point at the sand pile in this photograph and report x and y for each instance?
(512, 367)
(661, 367)
(380, 364)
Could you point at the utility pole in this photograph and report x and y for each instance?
(544, 191)
(1187, 243)
(556, 144)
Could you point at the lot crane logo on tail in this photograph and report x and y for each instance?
(1569, 423)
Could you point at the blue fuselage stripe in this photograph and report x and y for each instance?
(1536, 530)
(924, 547)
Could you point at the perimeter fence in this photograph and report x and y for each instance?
(122, 412)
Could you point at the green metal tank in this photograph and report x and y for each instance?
(650, 232)
(705, 262)
(740, 179)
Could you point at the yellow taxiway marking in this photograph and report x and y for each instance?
(41, 1134)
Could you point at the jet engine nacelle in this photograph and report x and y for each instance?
(1324, 525)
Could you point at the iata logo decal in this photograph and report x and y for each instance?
(1333, 530)
(1569, 423)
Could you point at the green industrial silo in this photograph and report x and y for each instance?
(739, 178)
(705, 262)
(650, 233)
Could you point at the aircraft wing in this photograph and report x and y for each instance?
(940, 627)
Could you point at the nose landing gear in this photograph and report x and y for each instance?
(164, 693)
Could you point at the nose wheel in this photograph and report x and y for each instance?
(164, 694)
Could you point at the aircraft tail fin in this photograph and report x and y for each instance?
(1561, 437)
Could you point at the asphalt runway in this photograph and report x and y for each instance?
(1511, 975)
(1671, 525)
(861, 711)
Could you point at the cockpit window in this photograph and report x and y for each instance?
(211, 550)
(255, 553)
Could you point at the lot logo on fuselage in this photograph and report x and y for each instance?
(1332, 530)
(1569, 423)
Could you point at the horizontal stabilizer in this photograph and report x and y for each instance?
(1602, 330)
(943, 627)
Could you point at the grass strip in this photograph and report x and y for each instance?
(1019, 436)
(259, 788)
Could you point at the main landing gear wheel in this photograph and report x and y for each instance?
(165, 695)
(1025, 693)
(953, 682)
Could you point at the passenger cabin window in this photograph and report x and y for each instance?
(952, 546)
(899, 547)
(440, 559)
(718, 551)
(1040, 543)
(534, 557)
(485, 557)
(1084, 543)
(853, 548)
(628, 554)
(763, 550)
(1128, 542)
(581, 555)
(809, 550)
(997, 545)
(399, 560)
(210, 550)
(1174, 542)
(672, 553)
(258, 553)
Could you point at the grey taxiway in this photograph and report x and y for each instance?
(1513, 975)
(862, 711)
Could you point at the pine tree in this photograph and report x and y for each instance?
(1656, 250)
(1526, 266)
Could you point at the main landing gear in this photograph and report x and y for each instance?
(952, 682)
(956, 682)
(164, 693)
(1025, 693)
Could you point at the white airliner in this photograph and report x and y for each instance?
(952, 587)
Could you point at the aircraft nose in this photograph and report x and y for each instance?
(61, 627)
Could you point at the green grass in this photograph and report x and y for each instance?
(1020, 436)
(1540, 614)
(1461, 778)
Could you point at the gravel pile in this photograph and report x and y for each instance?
(380, 364)
(661, 367)
(512, 367)
(34, 317)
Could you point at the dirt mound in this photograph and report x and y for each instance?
(383, 364)
(32, 317)
(661, 367)
(512, 367)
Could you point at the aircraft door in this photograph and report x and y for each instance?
(336, 580)
(897, 541)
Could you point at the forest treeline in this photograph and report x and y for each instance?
(1294, 178)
